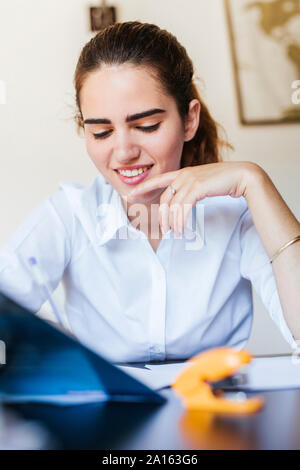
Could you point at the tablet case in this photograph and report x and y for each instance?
(43, 364)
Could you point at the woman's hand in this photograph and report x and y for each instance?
(193, 184)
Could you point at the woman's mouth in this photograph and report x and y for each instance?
(136, 176)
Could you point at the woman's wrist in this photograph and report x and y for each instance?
(274, 221)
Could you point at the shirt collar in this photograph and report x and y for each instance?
(111, 217)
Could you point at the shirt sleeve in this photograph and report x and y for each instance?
(46, 234)
(256, 267)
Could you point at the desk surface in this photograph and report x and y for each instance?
(169, 426)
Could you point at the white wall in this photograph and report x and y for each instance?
(40, 41)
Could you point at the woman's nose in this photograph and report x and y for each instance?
(125, 147)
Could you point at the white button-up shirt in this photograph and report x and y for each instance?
(126, 301)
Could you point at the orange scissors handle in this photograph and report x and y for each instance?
(213, 365)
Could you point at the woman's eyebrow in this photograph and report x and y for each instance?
(133, 117)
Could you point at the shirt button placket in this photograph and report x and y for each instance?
(157, 313)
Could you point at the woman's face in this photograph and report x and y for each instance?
(116, 137)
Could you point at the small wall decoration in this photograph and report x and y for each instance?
(265, 45)
(102, 16)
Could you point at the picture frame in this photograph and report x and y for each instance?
(264, 39)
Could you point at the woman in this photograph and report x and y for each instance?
(158, 255)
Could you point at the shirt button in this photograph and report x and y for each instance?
(156, 349)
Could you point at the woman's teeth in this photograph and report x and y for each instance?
(135, 172)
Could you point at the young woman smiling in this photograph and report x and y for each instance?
(148, 287)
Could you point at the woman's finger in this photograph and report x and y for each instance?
(164, 217)
(191, 199)
(159, 181)
(166, 199)
(179, 206)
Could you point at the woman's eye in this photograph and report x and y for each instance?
(101, 136)
(142, 128)
(149, 128)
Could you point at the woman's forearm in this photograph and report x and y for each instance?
(276, 225)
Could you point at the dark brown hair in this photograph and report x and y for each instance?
(144, 44)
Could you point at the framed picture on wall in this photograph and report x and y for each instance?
(265, 47)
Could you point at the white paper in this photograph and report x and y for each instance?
(156, 376)
(262, 374)
(272, 373)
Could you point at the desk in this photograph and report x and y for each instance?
(140, 426)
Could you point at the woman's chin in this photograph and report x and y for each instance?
(139, 198)
(145, 198)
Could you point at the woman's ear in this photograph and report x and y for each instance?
(192, 120)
